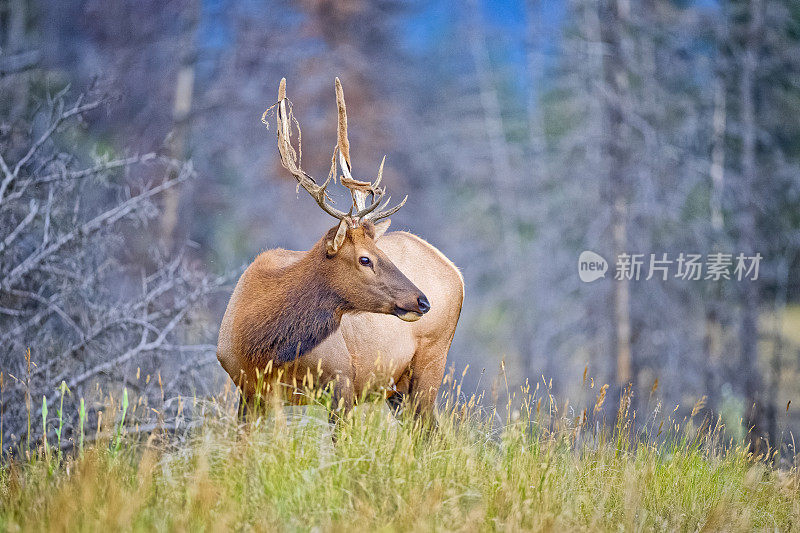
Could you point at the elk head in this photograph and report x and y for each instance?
(353, 265)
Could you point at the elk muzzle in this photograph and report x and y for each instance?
(414, 309)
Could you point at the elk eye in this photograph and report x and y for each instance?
(365, 261)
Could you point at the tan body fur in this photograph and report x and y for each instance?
(367, 351)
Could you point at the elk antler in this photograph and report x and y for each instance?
(359, 189)
(289, 158)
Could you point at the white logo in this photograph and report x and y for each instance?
(591, 266)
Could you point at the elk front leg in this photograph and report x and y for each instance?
(241, 409)
(331, 367)
(342, 397)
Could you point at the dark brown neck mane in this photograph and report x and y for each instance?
(306, 311)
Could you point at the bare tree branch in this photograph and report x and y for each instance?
(19, 62)
(34, 210)
(105, 219)
(74, 111)
(71, 294)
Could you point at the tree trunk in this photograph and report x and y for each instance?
(776, 362)
(536, 164)
(612, 15)
(493, 123)
(181, 109)
(535, 74)
(503, 184)
(15, 43)
(748, 327)
(713, 327)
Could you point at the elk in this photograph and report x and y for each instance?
(363, 309)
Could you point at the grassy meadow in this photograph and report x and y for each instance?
(537, 468)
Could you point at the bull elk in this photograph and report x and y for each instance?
(362, 309)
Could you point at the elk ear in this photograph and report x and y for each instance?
(334, 245)
(381, 227)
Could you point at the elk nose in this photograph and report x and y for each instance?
(423, 304)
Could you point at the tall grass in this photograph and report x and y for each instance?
(536, 466)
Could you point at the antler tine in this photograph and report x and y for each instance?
(377, 199)
(359, 189)
(343, 143)
(383, 214)
(377, 181)
(289, 158)
(282, 90)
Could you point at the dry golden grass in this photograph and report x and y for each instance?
(535, 468)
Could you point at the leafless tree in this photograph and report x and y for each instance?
(84, 299)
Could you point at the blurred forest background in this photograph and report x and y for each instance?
(137, 179)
